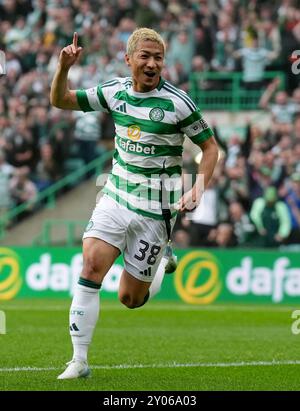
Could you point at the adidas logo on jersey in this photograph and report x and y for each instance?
(122, 108)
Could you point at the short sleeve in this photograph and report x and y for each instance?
(92, 99)
(195, 127)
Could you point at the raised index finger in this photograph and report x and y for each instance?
(75, 39)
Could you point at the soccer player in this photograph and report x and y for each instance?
(133, 217)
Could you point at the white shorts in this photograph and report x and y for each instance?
(142, 240)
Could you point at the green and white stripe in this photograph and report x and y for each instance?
(147, 205)
(148, 138)
(155, 150)
(92, 99)
(161, 119)
(146, 187)
(150, 102)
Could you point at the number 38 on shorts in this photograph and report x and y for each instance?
(142, 240)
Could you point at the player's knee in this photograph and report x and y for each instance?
(90, 268)
(129, 301)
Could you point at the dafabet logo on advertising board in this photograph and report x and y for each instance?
(10, 274)
(197, 278)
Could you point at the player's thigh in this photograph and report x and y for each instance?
(109, 223)
(98, 257)
(145, 244)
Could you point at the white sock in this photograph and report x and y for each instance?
(84, 314)
(159, 276)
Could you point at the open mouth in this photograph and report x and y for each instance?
(149, 74)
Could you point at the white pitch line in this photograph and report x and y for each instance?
(170, 365)
(28, 308)
(198, 365)
(158, 307)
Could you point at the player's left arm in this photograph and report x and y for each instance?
(191, 199)
(194, 126)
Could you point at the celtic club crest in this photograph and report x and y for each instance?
(156, 114)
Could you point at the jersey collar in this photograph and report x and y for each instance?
(160, 84)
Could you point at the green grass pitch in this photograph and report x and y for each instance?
(165, 346)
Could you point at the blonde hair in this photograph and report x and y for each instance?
(143, 34)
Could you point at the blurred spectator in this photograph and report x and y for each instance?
(243, 229)
(204, 46)
(283, 109)
(108, 131)
(288, 21)
(39, 124)
(269, 35)
(22, 189)
(145, 14)
(181, 238)
(6, 172)
(61, 137)
(225, 42)
(20, 148)
(197, 82)
(292, 199)
(181, 77)
(9, 11)
(181, 50)
(48, 170)
(205, 216)
(254, 61)
(264, 169)
(271, 218)
(222, 236)
(125, 8)
(234, 183)
(87, 133)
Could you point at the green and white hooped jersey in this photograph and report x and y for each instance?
(150, 130)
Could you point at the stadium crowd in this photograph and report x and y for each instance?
(254, 197)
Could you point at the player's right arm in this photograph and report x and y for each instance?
(60, 95)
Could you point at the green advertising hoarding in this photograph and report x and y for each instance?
(202, 276)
